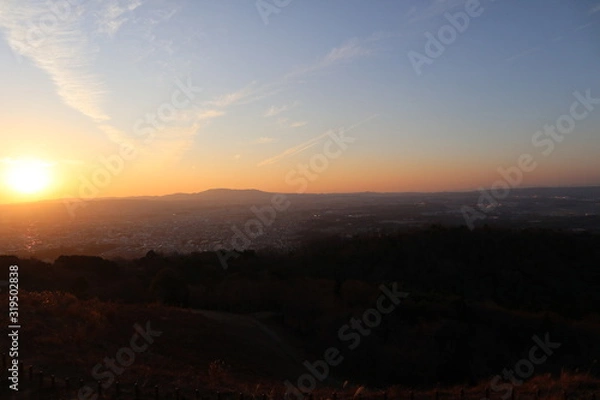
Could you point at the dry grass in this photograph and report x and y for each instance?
(67, 337)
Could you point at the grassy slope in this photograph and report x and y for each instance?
(67, 337)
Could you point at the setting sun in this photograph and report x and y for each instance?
(28, 176)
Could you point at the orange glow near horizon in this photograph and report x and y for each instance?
(29, 178)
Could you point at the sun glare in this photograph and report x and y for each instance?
(28, 176)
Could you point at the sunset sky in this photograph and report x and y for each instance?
(200, 94)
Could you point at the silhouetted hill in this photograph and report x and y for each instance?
(220, 196)
(476, 299)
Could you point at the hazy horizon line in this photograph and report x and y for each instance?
(464, 191)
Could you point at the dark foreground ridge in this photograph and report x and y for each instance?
(485, 308)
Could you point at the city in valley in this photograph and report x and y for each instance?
(246, 219)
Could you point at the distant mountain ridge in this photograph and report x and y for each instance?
(225, 196)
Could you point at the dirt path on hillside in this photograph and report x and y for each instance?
(248, 321)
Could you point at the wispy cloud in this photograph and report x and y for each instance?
(348, 51)
(64, 52)
(248, 94)
(230, 99)
(146, 42)
(274, 110)
(286, 123)
(66, 49)
(182, 130)
(523, 53)
(298, 124)
(265, 140)
(295, 150)
(594, 9)
(113, 14)
(193, 115)
(170, 144)
(311, 142)
(174, 139)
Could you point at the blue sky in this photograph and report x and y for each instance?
(76, 80)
